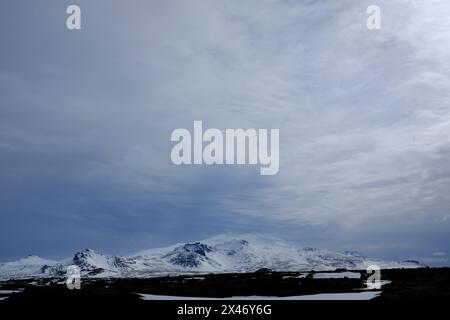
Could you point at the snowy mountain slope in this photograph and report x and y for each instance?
(224, 253)
(24, 267)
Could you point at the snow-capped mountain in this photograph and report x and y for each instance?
(219, 254)
(24, 267)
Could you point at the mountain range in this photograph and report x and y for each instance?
(219, 254)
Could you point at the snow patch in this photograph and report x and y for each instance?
(365, 295)
(337, 275)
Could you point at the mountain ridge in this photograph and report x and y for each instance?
(219, 254)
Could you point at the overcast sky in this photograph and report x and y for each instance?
(86, 118)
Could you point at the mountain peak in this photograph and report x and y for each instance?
(86, 253)
(254, 238)
(33, 259)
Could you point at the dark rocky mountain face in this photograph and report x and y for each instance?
(190, 255)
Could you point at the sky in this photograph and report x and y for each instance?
(86, 118)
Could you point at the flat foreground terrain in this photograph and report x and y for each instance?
(399, 284)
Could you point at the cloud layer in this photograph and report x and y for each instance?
(86, 118)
